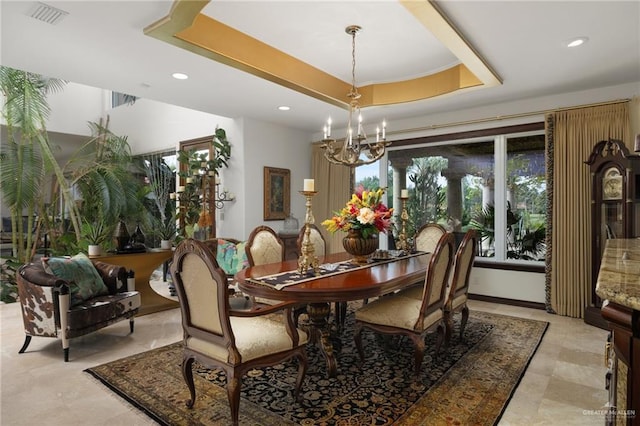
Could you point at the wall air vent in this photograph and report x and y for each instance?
(49, 14)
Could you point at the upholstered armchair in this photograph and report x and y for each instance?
(428, 236)
(235, 341)
(62, 305)
(399, 315)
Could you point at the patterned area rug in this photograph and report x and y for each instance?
(470, 383)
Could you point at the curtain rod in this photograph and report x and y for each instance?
(505, 117)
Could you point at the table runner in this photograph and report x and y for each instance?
(286, 279)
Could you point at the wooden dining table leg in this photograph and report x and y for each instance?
(320, 334)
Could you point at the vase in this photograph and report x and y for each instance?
(357, 246)
(94, 250)
(165, 244)
(138, 236)
(121, 235)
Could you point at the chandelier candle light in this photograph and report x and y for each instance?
(308, 258)
(354, 150)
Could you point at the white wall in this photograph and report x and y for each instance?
(516, 285)
(152, 126)
(271, 145)
(75, 106)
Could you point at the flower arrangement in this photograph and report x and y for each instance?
(364, 212)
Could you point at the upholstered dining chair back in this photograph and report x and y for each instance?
(458, 291)
(437, 277)
(202, 291)
(264, 246)
(464, 259)
(215, 335)
(318, 241)
(427, 237)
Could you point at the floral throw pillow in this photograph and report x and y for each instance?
(84, 280)
(242, 261)
(231, 257)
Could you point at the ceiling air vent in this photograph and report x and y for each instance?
(49, 14)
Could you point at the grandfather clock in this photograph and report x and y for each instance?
(615, 208)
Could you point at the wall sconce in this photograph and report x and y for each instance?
(219, 198)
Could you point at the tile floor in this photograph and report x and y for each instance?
(563, 384)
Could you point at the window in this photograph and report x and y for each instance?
(118, 99)
(494, 184)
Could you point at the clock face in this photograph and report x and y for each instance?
(612, 184)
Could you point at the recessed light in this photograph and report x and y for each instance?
(179, 76)
(284, 108)
(578, 41)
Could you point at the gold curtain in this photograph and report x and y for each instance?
(575, 132)
(333, 184)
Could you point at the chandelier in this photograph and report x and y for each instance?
(354, 150)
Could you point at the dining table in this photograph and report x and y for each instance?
(338, 279)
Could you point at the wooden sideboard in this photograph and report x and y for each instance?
(143, 265)
(619, 287)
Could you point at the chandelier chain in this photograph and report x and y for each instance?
(354, 90)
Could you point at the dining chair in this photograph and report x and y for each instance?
(264, 246)
(458, 286)
(217, 336)
(427, 237)
(399, 315)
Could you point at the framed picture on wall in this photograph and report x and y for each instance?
(277, 193)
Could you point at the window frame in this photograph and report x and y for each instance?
(500, 137)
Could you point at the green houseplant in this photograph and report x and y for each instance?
(167, 230)
(95, 234)
(522, 243)
(28, 159)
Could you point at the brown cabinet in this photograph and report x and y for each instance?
(615, 208)
(290, 241)
(623, 355)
